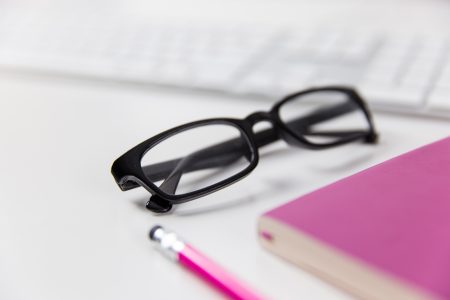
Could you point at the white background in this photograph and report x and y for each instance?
(68, 232)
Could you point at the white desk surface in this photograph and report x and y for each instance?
(68, 232)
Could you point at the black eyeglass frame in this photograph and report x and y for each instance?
(128, 171)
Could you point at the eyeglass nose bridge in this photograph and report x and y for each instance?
(258, 116)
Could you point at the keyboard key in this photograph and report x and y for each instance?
(293, 81)
(259, 83)
(418, 73)
(173, 73)
(439, 99)
(214, 77)
(396, 96)
(359, 50)
(444, 78)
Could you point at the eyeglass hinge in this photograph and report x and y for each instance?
(159, 205)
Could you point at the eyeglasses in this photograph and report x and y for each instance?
(198, 158)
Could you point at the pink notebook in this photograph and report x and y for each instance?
(383, 233)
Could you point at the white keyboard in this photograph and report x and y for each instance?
(399, 73)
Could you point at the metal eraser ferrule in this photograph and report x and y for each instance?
(169, 243)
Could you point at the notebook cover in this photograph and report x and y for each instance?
(382, 233)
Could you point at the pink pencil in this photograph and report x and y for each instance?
(178, 250)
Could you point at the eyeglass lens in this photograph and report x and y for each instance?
(334, 115)
(197, 158)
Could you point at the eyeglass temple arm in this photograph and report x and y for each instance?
(227, 152)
